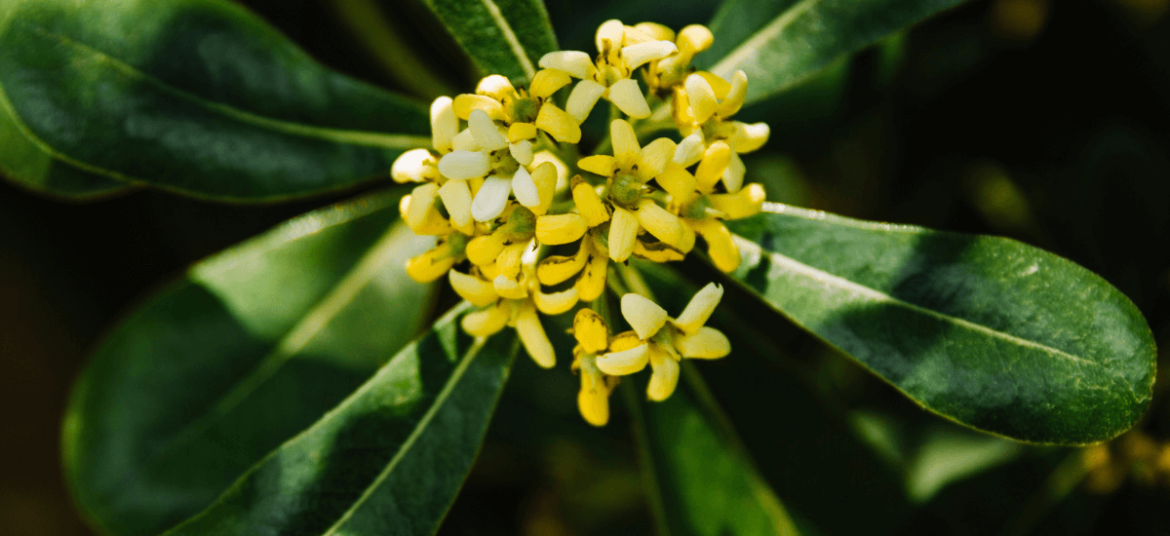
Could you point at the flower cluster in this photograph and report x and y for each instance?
(526, 226)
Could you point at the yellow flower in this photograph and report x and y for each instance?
(669, 72)
(592, 336)
(622, 50)
(702, 111)
(662, 342)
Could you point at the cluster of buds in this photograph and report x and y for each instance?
(526, 226)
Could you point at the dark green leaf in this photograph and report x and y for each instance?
(505, 37)
(703, 481)
(798, 436)
(195, 96)
(780, 43)
(388, 460)
(248, 349)
(28, 165)
(989, 332)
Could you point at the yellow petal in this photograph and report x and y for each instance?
(422, 201)
(495, 86)
(680, 110)
(594, 405)
(521, 131)
(655, 156)
(625, 143)
(456, 196)
(572, 62)
(462, 165)
(472, 289)
(736, 93)
(657, 252)
(706, 343)
(483, 250)
(509, 260)
(428, 266)
(555, 303)
(677, 181)
(464, 141)
(720, 245)
(695, 38)
(659, 222)
(600, 164)
(533, 337)
(562, 170)
(720, 86)
(509, 288)
(748, 138)
(733, 175)
(645, 316)
(521, 151)
(699, 309)
(559, 268)
(525, 189)
(664, 379)
(715, 162)
(628, 97)
(702, 98)
(548, 81)
(589, 204)
(558, 124)
(690, 151)
(544, 176)
(611, 30)
(624, 362)
(623, 231)
(592, 281)
(746, 202)
(655, 31)
(558, 229)
(639, 54)
(624, 341)
(487, 322)
(484, 130)
(467, 102)
(590, 331)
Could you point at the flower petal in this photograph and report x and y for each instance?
(583, 98)
(533, 337)
(624, 362)
(706, 343)
(576, 63)
(525, 189)
(444, 124)
(623, 232)
(699, 309)
(456, 198)
(463, 165)
(645, 316)
(490, 200)
(625, 143)
(484, 130)
(472, 289)
(627, 96)
(665, 377)
(701, 97)
(642, 53)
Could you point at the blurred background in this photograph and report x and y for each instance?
(1044, 121)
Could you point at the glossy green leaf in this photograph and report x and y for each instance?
(704, 482)
(505, 37)
(388, 460)
(781, 43)
(195, 96)
(798, 436)
(989, 332)
(28, 165)
(248, 349)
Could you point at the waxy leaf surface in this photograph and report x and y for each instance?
(781, 43)
(195, 96)
(987, 331)
(504, 37)
(389, 460)
(248, 349)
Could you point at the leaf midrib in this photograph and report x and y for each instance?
(510, 37)
(287, 347)
(761, 36)
(840, 282)
(349, 137)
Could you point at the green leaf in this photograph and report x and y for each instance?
(248, 349)
(701, 480)
(986, 331)
(194, 96)
(27, 165)
(505, 37)
(388, 460)
(781, 43)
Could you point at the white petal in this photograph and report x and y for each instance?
(462, 165)
(444, 124)
(525, 188)
(624, 362)
(749, 137)
(485, 132)
(583, 98)
(570, 61)
(690, 150)
(457, 198)
(464, 141)
(700, 308)
(422, 199)
(638, 55)
(490, 200)
(626, 95)
(613, 30)
(645, 316)
(521, 151)
(412, 166)
(701, 97)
